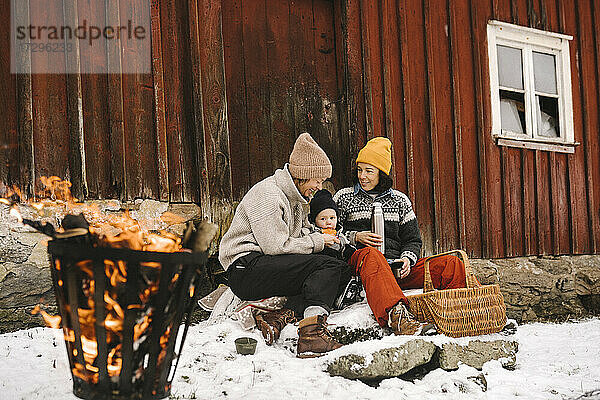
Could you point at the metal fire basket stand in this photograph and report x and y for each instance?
(154, 294)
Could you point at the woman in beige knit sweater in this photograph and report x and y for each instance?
(270, 248)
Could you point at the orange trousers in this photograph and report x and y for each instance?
(384, 290)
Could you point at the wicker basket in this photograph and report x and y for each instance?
(470, 311)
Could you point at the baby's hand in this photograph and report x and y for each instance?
(330, 240)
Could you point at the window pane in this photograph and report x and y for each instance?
(510, 67)
(512, 111)
(544, 72)
(547, 116)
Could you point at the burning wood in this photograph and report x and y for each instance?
(120, 306)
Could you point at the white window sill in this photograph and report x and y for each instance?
(536, 144)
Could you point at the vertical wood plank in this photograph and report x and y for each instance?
(530, 224)
(534, 14)
(198, 146)
(216, 134)
(442, 138)
(257, 94)
(9, 127)
(490, 170)
(550, 8)
(596, 137)
(465, 128)
(407, 94)
(576, 162)
(25, 112)
(178, 86)
(347, 141)
(589, 91)
(160, 123)
(354, 81)
(558, 164)
(116, 107)
(279, 82)
(140, 140)
(49, 100)
(236, 96)
(544, 197)
(392, 80)
(560, 203)
(95, 109)
(415, 51)
(373, 69)
(328, 97)
(74, 105)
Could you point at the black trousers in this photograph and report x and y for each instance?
(306, 279)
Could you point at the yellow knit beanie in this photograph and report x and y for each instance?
(378, 153)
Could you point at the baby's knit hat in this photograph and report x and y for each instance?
(308, 160)
(378, 153)
(322, 200)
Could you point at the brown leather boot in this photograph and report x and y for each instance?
(272, 323)
(313, 337)
(402, 321)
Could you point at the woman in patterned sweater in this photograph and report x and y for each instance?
(385, 275)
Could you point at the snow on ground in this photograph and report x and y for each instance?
(555, 361)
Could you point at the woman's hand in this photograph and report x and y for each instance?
(368, 238)
(330, 240)
(402, 267)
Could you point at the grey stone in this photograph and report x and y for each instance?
(14, 319)
(544, 288)
(11, 250)
(39, 255)
(106, 205)
(31, 238)
(478, 352)
(383, 364)
(25, 285)
(148, 214)
(185, 210)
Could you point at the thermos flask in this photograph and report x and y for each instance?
(377, 224)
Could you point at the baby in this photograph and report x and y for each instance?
(324, 215)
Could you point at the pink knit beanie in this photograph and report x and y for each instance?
(308, 160)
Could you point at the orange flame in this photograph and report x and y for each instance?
(50, 320)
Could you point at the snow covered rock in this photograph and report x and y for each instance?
(385, 363)
(478, 352)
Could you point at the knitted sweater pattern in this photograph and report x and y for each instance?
(272, 219)
(402, 235)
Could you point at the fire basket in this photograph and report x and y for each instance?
(121, 313)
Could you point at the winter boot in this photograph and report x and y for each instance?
(313, 337)
(350, 295)
(272, 323)
(402, 321)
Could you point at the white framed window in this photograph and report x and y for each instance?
(530, 82)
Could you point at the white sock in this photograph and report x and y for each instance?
(311, 311)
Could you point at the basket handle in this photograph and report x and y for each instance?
(471, 281)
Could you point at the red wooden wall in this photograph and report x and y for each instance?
(427, 87)
(235, 81)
